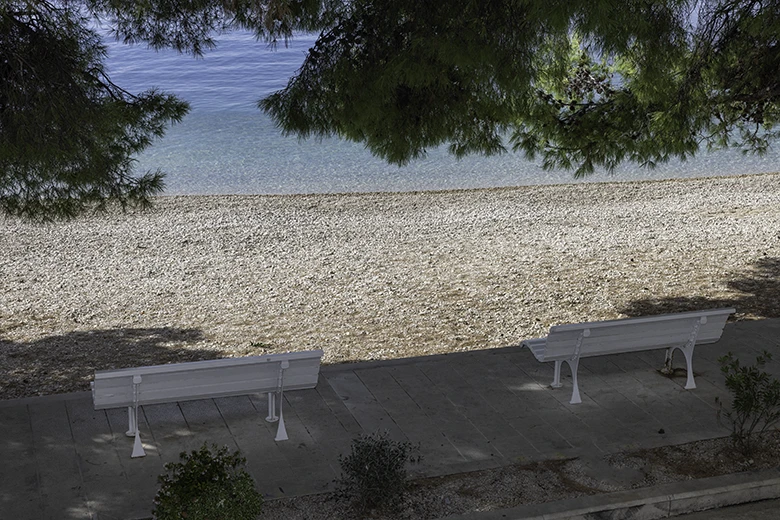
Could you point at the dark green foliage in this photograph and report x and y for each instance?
(755, 407)
(404, 76)
(579, 84)
(192, 26)
(67, 134)
(207, 486)
(582, 84)
(374, 473)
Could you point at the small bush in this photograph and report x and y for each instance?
(207, 486)
(374, 473)
(755, 406)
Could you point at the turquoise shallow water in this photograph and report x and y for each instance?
(227, 146)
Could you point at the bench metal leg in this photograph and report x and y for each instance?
(272, 407)
(132, 422)
(557, 377)
(574, 363)
(281, 432)
(688, 353)
(133, 431)
(138, 448)
(575, 392)
(668, 368)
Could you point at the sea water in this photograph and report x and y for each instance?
(226, 145)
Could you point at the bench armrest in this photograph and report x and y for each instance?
(537, 346)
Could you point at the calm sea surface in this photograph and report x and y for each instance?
(227, 146)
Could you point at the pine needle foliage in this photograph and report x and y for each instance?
(575, 84)
(68, 135)
(579, 84)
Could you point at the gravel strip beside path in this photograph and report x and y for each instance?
(373, 276)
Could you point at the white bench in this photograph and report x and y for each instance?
(681, 331)
(273, 373)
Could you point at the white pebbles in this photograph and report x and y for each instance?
(373, 276)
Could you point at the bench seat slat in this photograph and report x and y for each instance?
(264, 375)
(121, 394)
(570, 342)
(211, 363)
(628, 338)
(537, 346)
(671, 327)
(646, 319)
(198, 380)
(609, 345)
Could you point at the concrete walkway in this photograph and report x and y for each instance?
(63, 460)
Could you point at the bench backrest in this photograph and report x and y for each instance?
(205, 379)
(633, 334)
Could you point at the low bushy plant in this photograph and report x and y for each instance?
(374, 473)
(207, 486)
(755, 405)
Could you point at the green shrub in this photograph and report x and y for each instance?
(374, 473)
(755, 405)
(207, 486)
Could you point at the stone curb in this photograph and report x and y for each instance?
(663, 501)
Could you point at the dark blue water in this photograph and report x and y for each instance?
(226, 145)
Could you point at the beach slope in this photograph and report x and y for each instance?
(374, 276)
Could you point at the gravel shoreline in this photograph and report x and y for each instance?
(374, 276)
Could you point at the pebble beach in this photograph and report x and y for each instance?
(373, 276)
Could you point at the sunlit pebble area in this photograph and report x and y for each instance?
(373, 276)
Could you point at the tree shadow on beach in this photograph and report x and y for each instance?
(760, 286)
(67, 362)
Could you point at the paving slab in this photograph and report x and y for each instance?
(62, 459)
(20, 491)
(362, 404)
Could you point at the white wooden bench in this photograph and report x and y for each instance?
(681, 331)
(272, 374)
